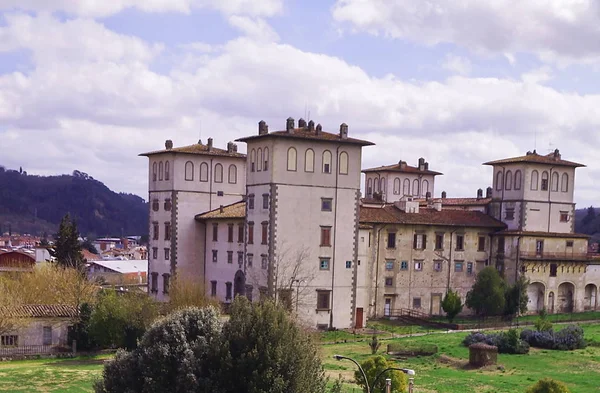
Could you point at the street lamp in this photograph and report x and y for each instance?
(298, 282)
(407, 371)
(340, 357)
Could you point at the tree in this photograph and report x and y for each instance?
(373, 366)
(452, 305)
(487, 295)
(548, 385)
(67, 249)
(516, 297)
(80, 331)
(88, 245)
(186, 292)
(177, 354)
(9, 305)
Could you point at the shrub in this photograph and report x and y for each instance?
(374, 345)
(507, 342)
(567, 339)
(548, 385)
(452, 305)
(373, 367)
(542, 324)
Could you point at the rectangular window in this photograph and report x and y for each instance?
(419, 241)
(326, 204)
(215, 232)
(249, 289)
(389, 265)
(228, 291)
(389, 282)
(439, 241)
(324, 264)
(155, 231)
(168, 205)
(460, 242)
(215, 255)
(539, 247)
(501, 245)
(9, 341)
(230, 233)
(416, 302)
(155, 205)
(544, 184)
(167, 253)
(418, 265)
(437, 266)
(391, 243)
(154, 252)
(458, 267)
(250, 259)
(481, 243)
(229, 256)
(553, 269)
(250, 233)
(348, 264)
(167, 231)
(469, 268)
(213, 288)
(325, 236)
(154, 283)
(404, 265)
(323, 300)
(264, 263)
(265, 201)
(250, 202)
(166, 281)
(47, 335)
(240, 258)
(265, 232)
(569, 243)
(564, 216)
(509, 213)
(240, 233)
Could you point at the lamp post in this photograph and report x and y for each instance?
(340, 357)
(298, 282)
(406, 371)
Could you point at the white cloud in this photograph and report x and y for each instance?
(539, 75)
(257, 29)
(566, 30)
(100, 8)
(457, 64)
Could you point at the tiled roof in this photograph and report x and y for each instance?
(124, 266)
(198, 148)
(390, 214)
(42, 311)
(535, 158)
(90, 256)
(546, 234)
(404, 168)
(459, 201)
(305, 133)
(235, 210)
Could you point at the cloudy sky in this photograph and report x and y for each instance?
(89, 84)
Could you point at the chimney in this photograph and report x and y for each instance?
(344, 131)
(556, 155)
(301, 123)
(427, 196)
(210, 144)
(263, 128)
(319, 129)
(221, 209)
(479, 193)
(421, 163)
(235, 148)
(168, 144)
(199, 141)
(229, 147)
(289, 124)
(426, 166)
(311, 125)
(444, 195)
(488, 192)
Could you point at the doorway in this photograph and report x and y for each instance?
(359, 318)
(436, 304)
(387, 310)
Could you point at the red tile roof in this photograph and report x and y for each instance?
(42, 311)
(535, 158)
(199, 149)
(459, 201)
(390, 214)
(401, 168)
(235, 210)
(307, 134)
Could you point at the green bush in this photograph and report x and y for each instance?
(373, 367)
(548, 385)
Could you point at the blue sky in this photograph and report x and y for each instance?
(88, 85)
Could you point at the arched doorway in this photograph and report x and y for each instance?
(565, 297)
(536, 292)
(591, 292)
(551, 302)
(239, 284)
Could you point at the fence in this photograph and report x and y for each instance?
(28, 350)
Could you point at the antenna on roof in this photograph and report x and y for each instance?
(535, 140)
(550, 145)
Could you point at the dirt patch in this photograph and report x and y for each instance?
(452, 362)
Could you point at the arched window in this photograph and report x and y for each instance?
(406, 187)
(397, 186)
(161, 170)
(564, 186)
(252, 160)
(416, 188)
(218, 173)
(154, 171)
(554, 183)
(343, 163)
(266, 160)
(425, 187)
(326, 161)
(204, 171)
(232, 174)
(309, 160)
(518, 180)
(508, 183)
(544, 184)
(292, 159)
(535, 179)
(189, 171)
(376, 185)
(499, 181)
(259, 159)
(167, 170)
(369, 187)
(383, 185)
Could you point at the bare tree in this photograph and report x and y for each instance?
(9, 305)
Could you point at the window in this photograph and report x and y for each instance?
(155, 205)
(251, 202)
(499, 178)
(439, 241)
(534, 180)
(564, 216)
(252, 160)
(469, 268)
(240, 233)
(518, 180)
(204, 172)
(419, 241)
(369, 187)
(389, 265)
(406, 187)
(47, 335)
(396, 186)
(509, 213)
(569, 243)
(554, 183)
(416, 302)
(167, 253)
(215, 256)
(437, 266)
(324, 264)
(230, 233)
(416, 188)
(265, 201)
(553, 269)
(266, 159)
(168, 205)
(250, 233)
(458, 267)
(213, 288)
(348, 264)
(154, 282)
(292, 159)
(564, 183)
(249, 289)
(259, 159)
(544, 185)
(389, 282)
(154, 252)
(404, 265)
(425, 187)
(323, 300)
(154, 171)
(9, 340)
(418, 266)
(189, 171)
(325, 236)
(250, 259)
(218, 173)
(326, 161)
(215, 232)
(481, 243)
(508, 183)
(167, 231)
(343, 163)
(460, 242)
(382, 185)
(166, 281)
(309, 160)
(326, 204)
(230, 257)
(227, 291)
(501, 242)
(539, 247)
(391, 243)
(155, 231)
(265, 232)
(167, 170)
(232, 174)
(240, 258)
(161, 170)
(264, 263)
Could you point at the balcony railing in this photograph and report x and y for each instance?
(556, 256)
